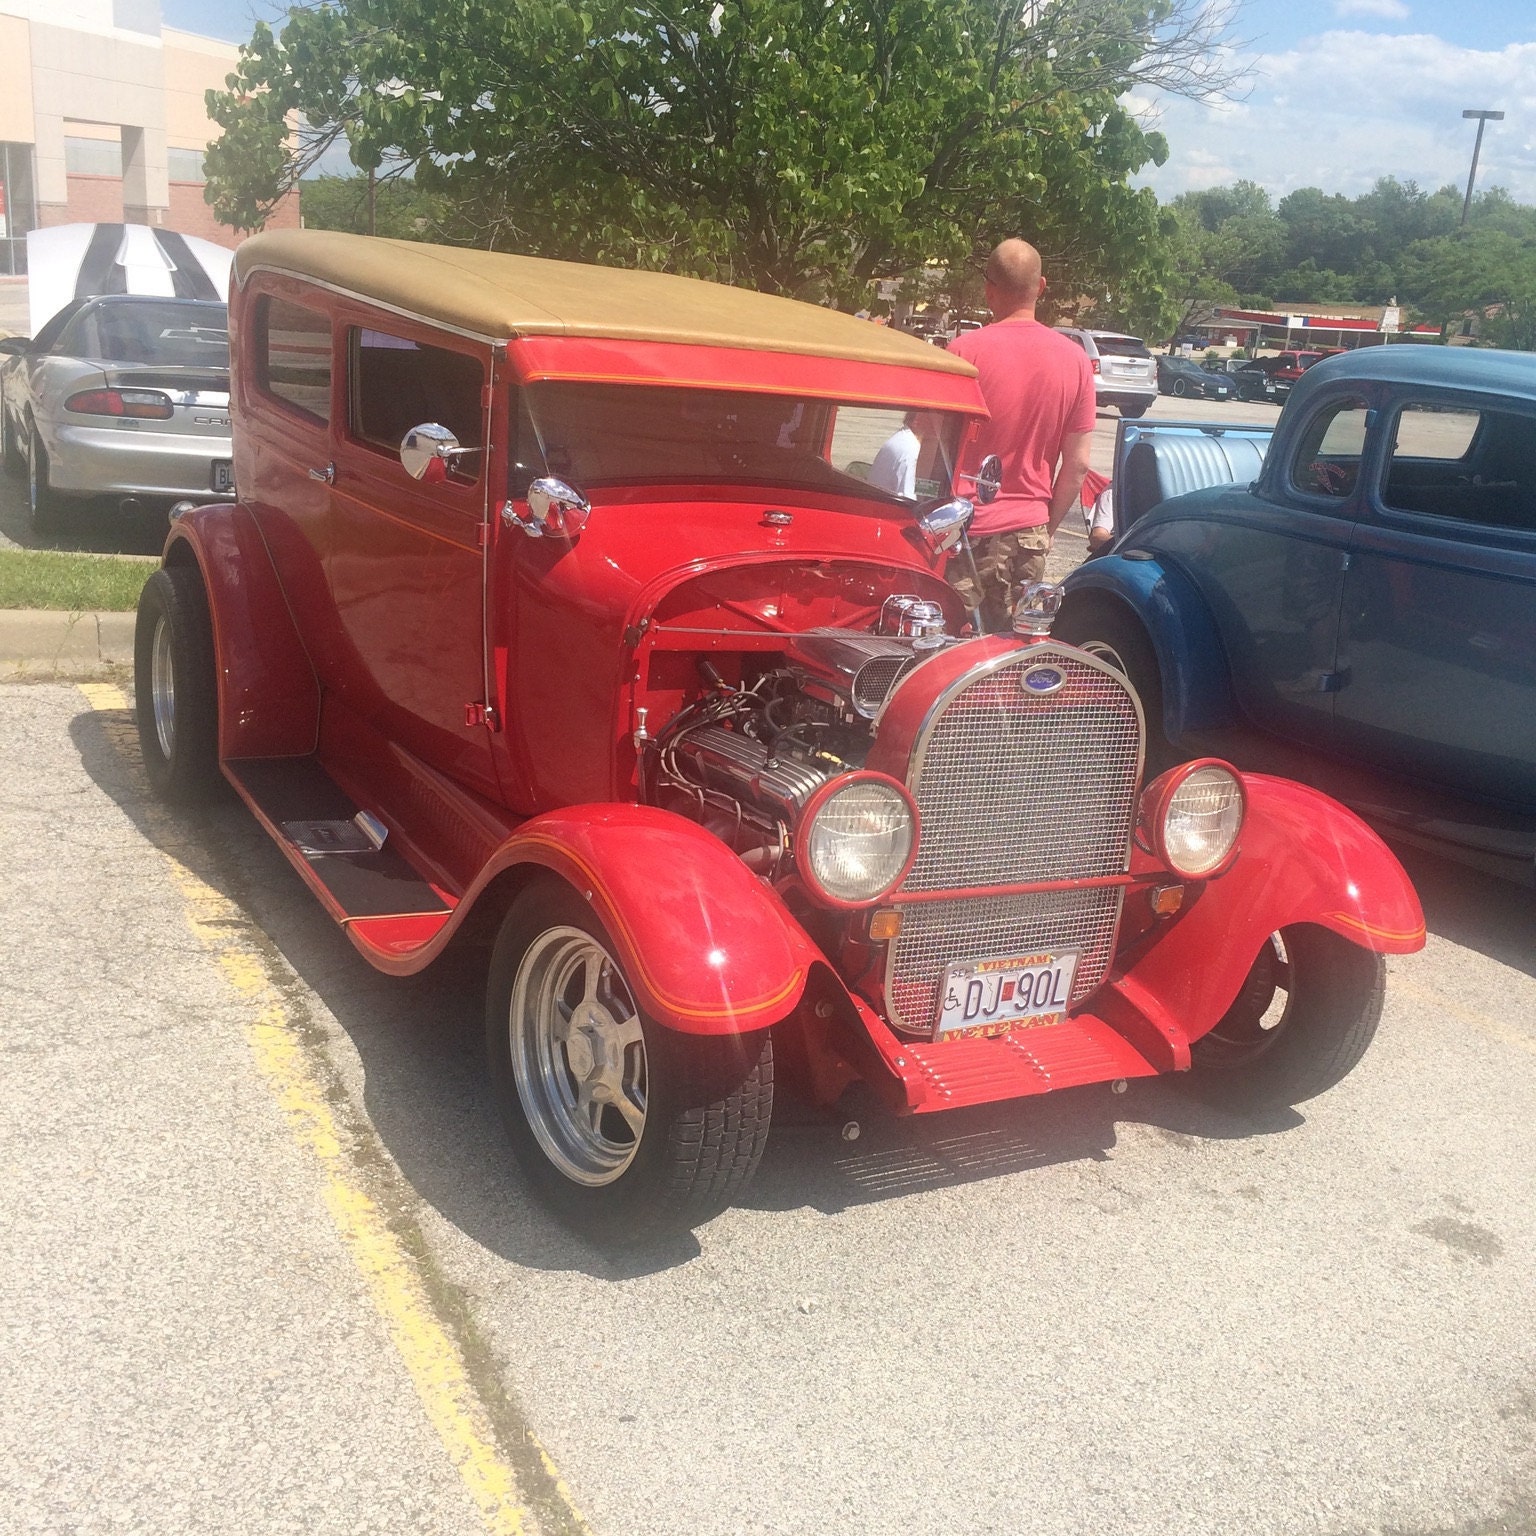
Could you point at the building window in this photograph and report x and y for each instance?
(185, 165)
(18, 211)
(93, 157)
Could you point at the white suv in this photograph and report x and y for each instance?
(1124, 372)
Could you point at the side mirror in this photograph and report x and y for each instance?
(427, 445)
(14, 346)
(555, 510)
(943, 525)
(987, 481)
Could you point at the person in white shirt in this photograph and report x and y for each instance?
(895, 466)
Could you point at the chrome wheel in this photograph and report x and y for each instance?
(578, 1056)
(162, 689)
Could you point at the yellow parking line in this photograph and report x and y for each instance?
(393, 1278)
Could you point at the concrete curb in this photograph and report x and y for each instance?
(40, 643)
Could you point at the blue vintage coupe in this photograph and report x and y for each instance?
(1351, 599)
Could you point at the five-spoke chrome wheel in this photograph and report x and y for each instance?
(578, 1056)
(162, 688)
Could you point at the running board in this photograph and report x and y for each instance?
(343, 852)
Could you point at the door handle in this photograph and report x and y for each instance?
(326, 476)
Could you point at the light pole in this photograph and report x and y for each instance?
(1483, 118)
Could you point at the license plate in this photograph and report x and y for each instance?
(223, 475)
(990, 997)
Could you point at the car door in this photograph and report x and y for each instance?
(1438, 647)
(1271, 568)
(405, 557)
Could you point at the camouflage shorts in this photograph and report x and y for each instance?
(1004, 562)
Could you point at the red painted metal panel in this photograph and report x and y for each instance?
(587, 359)
(268, 698)
(1302, 858)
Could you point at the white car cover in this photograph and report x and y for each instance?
(79, 261)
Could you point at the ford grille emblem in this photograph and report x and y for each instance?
(1043, 680)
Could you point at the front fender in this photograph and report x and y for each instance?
(1302, 858)
(710, 948)
(1191, 659)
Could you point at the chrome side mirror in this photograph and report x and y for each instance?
(987, 481)
(943, 525)
(555, 510)
(430, 443)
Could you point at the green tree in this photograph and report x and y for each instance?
(1486, 274)
(799, 146)
(402, 210)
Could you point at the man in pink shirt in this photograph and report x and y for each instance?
(1039, 388)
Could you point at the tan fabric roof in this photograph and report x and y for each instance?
(494, 295)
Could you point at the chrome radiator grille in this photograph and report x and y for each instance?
(1013, 787)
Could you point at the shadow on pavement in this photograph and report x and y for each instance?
(97, 525)
(419, 1040)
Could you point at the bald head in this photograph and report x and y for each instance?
(1013, 277)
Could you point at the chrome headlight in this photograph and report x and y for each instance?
(856, 839)
(1195, 817)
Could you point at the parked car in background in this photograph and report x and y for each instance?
(1288, 367)
(124, 396)
(1124, 372)
(1251, 380)
(1180, 376)
(1353, 600)
(554, 612)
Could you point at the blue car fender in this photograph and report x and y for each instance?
(1191, 659)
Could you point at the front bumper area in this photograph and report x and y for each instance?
(120, 461)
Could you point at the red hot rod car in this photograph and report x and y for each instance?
(600, 616)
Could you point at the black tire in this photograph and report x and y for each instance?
(1115, 637)
(1305, 1016)
(14, 460)
(44, 510)
(1180, 388)
(175, 690)
(704, 1103)
(1134, 410)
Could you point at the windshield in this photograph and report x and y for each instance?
(163, 333)
(614, 434)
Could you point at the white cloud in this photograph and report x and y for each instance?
(1343, 108)
(1388, 10)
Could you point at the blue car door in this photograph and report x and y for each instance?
(1271, 567)
(1438, 643)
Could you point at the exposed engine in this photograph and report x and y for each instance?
(744, 760)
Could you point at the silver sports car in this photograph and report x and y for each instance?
(123, 396)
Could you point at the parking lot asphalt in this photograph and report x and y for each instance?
(1078, 1314)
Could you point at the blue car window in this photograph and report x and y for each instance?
(1327, 457)
(1463, 465)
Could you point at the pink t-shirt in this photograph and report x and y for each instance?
(1039, 388)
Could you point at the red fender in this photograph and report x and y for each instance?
(269, 701)
(710, 948)
(1302, 858)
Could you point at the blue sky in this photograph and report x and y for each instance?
(1340, 92)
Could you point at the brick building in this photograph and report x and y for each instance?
(102, 120)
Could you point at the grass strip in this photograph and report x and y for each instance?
(46, 578)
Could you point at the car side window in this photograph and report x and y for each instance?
(1327, 457)
(293, 352)
(396, 384)
(1465, 464)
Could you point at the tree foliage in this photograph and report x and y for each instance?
(799, 146)
(1233, 246)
